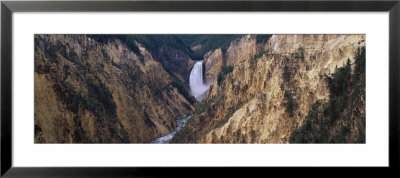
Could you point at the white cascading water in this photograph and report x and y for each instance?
(198, 87)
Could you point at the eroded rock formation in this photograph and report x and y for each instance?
(271, 88)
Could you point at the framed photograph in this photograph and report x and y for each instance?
(113, 88)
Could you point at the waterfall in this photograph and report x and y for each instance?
(198, 88)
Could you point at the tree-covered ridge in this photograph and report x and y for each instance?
(342, 118)
(207, 42)
(263, 38)
(180, 42)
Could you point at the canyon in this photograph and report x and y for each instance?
(249, 89)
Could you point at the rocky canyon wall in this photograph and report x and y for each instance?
(91, 92)
(271, 88)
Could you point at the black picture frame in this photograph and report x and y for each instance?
(8, 7)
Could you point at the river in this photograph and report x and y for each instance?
(198, 89)
(165, 139)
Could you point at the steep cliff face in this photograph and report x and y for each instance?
(86, 91)
(239, 49)
(213, 63)
(176, 62)
(271, 88)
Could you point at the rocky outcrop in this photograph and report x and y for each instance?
(196, 48)
(271, 88)
(213, 63)
(240, 49)
(91, 92)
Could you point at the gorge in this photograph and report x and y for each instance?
(200, 88)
